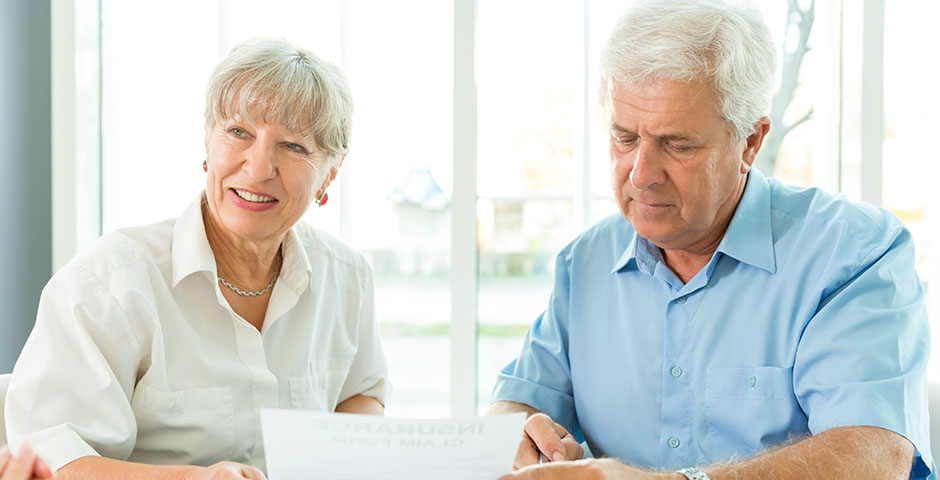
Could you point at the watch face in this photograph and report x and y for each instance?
(694, 474)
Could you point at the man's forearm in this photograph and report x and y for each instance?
(840, 453)
(510, 407)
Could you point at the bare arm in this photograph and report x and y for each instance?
(846, 452)
(841, 453)
(100, 468)
(361, 404)
(510, 407)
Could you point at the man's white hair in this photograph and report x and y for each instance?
(724, 45)
(284, 83)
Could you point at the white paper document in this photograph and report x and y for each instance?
(310, 445)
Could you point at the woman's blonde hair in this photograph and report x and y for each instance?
(282, 82)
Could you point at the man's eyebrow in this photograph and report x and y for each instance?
(672, 137)
(617, 128)
(678, 137)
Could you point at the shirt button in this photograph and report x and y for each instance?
(680, 300)
(673, 442)
(676, 371)
(752, 380)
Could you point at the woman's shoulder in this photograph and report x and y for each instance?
(318, 244)
(122, 250)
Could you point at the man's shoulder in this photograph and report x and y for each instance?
(819, 223)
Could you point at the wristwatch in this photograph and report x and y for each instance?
(694, 474)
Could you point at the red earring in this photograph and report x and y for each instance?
(205, 165)
(322, 199)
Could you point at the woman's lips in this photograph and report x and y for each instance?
(252, 201)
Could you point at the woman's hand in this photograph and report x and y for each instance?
(25, 465)
(545, 437)
(225, 471)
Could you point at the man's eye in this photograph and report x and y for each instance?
(297, 148)
(681, 148)
(625, 140)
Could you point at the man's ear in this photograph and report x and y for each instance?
(753, 144)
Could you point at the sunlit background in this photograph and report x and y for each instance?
(541, 164)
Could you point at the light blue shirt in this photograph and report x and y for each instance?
(808, 316)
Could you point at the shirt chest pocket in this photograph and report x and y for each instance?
(320, 389)
(750, 408)
(197, 424)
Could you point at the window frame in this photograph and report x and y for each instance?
(858, 43)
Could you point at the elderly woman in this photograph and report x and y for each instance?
(159, 344)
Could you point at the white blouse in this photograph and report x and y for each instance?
(137, 356)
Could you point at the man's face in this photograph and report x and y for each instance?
(676, 175)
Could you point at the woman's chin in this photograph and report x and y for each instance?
(248, 229)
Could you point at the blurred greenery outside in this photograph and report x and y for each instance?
(441, 282)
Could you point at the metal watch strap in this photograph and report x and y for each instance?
(694, 474)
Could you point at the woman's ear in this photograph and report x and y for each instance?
(334, 169)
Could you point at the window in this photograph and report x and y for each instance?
(542, 173)
(910, 120)
(391, 199)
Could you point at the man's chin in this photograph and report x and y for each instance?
(660, 235)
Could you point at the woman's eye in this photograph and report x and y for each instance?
(297, 148)
(237, 132)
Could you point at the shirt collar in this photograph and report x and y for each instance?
(641, 254)
(296, 270)
(749, 238)
(191, 251)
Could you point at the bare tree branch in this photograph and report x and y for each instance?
(799, 22)
(806, 116)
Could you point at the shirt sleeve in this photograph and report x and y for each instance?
(541, 375)
(862, 358)
(70, 391)
(368, 375)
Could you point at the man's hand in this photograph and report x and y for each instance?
(227, 471)
(587, 469)
(542, 436)
(26, 465)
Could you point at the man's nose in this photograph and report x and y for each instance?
(647, 167)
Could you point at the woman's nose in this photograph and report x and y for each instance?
(260, 161)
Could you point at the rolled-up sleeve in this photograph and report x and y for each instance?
(862, 358)
(368, 375)
(71, 387)
(541, 376)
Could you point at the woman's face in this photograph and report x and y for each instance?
(261, 177)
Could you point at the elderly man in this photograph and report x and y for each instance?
(724, 325)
